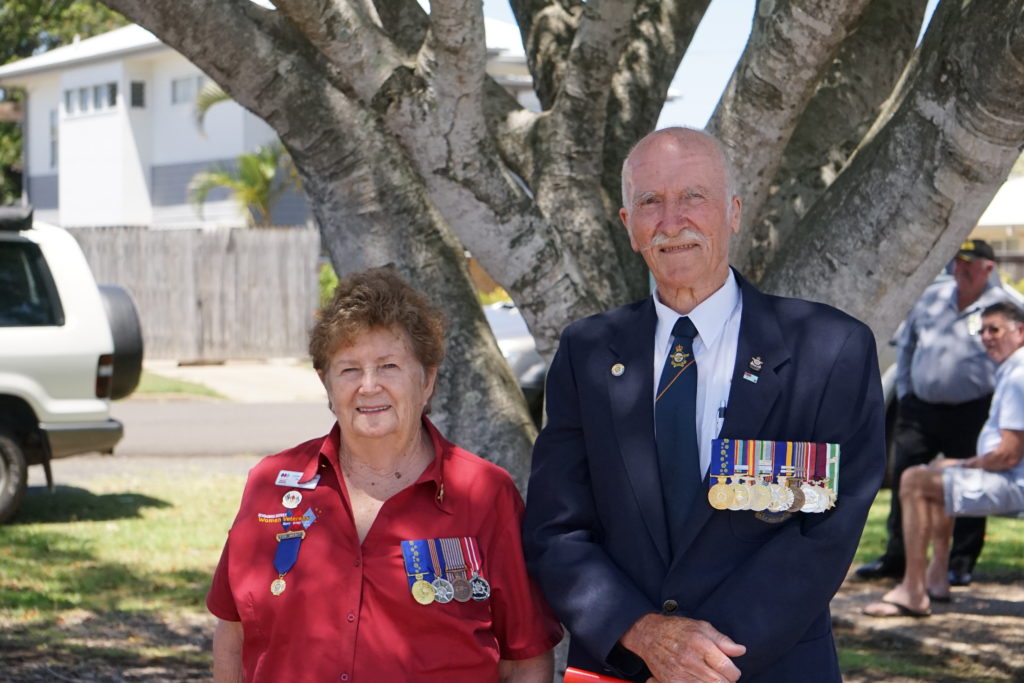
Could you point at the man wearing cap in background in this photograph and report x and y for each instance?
(944, 382)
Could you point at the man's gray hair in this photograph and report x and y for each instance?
(677, 131)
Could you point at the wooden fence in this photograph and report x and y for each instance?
(207, 295)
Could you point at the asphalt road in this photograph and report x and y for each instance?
(186, 436)
(198, 428)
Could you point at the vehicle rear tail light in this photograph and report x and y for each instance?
(104, 375)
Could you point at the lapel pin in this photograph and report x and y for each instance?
(756, 363)
(750, 377)
(618, 369)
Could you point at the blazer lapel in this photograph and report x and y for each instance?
(631, 396)
(749, 401)
(753, 393)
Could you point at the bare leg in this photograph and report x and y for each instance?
(937, 574)
(923, 517)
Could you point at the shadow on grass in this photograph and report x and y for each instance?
(870, 657)
(112, 646)
(73, 504)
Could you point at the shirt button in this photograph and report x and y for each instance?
(351, 617)
(670, 606)
(356, 563)
(343, 677)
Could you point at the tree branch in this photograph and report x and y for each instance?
(955, 130)
(660, 34)
(788, 51)
(405, 21)
(253, 53)
(349, 35)
(833, 124)
(548, 29)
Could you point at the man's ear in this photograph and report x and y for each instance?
(737, 213)
(624, 217)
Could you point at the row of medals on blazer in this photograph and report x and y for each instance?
(789, 494)
(443, 591)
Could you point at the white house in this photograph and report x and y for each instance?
(111, 137)
(1002, 224)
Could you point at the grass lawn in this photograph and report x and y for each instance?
(151, 383)
(1002, 560)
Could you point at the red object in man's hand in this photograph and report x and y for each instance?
(573, 675)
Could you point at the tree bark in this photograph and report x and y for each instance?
(790, 47)
(915, 189)
(848, 100)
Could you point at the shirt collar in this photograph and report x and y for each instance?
(709, 316)
(434, 473)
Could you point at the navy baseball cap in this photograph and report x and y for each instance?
(975, 249)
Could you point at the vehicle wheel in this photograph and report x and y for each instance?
(13, 475)
(127, 334)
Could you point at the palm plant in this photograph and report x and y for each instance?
(254, 183)
(251, 186)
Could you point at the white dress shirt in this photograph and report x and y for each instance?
(717, 320)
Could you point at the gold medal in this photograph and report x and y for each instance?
(422, 592)
(741, 497)
(720, 496)
(277, 586)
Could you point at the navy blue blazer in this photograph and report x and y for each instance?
(595, 533)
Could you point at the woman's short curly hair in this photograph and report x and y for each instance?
(377, 298)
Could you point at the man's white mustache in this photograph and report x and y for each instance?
(685, 236)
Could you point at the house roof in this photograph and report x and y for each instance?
(120, 41)
(501, 37)
(1007, 207)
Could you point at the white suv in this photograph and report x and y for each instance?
(67, 347)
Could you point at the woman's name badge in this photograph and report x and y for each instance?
(292, 478)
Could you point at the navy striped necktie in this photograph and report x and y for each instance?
(675, 424)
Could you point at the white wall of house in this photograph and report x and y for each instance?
(137, 135)
(92, 173)
(42, 121)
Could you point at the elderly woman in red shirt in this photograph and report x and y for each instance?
(380, 552)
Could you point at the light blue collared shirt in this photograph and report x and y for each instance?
(717, 320)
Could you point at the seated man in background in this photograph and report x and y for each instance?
(990, 483)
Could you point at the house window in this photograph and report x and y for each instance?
(111, 93)
(83, 99)
(69, 102)
(138, 95)
(184, 90)
(99, 97)
(53, 138)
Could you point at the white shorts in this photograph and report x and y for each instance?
(974, 492)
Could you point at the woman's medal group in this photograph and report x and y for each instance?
(445, 569)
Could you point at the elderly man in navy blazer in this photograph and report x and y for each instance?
(651, 580)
